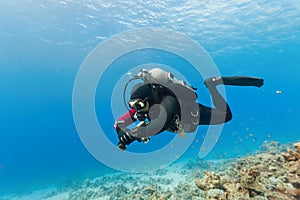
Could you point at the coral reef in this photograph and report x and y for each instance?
(138, 187)
(271, 174)
(209, 181)
(268, 175)
(273, 147)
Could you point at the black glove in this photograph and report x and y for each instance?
(138, 131)
(125, 138)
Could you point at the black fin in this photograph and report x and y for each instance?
(243, 81)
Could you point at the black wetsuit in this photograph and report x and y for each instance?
(166, 109)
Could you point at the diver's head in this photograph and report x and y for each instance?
(143, 92)
(141, 98)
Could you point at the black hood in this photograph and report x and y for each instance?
(142, 91)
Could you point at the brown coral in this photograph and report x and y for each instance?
(209, 181)
(293, 166)
(266, 175)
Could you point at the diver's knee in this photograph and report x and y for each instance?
(228, 116)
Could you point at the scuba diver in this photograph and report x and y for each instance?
(163, 103)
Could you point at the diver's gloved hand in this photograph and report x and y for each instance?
(137, 132)
(213, 81)
(144, 140)
(125, 138)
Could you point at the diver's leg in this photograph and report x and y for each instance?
(212, 116)
(220, 114)
(221, 106)
(218, 101)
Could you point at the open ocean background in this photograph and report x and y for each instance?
(43, 43)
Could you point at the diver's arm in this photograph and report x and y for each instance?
(166, 109)
(123, 132)
(126, 119)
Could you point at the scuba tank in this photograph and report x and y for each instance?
(157, 76)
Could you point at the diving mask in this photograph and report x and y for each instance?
(139, 105)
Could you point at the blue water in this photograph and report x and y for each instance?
(43, 43)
